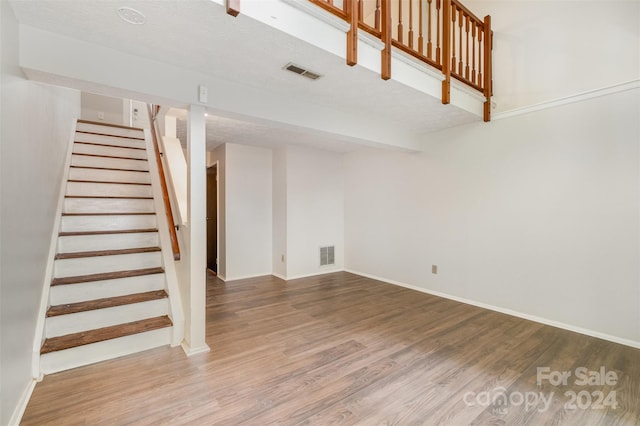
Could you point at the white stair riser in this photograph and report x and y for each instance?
(81, 148)
(74, 293)
(88, 354)
(109, 130)
(99, 318)
(109, 222)
(78, 243)
(108, 189)
(107, 205)
(102, 264)
(109, 163)
(108, 175)
(110, 140)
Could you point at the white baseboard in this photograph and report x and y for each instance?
(246, 277)
(569, 327)
(16, 417)
(189, 351)
(315, 274)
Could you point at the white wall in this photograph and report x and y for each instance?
(248, 211)
(315, 209)
(545, 50)
(35, 132)
(112, 109)
(538, 213)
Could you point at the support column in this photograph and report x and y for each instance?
(196, 201)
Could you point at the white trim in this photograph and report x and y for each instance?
(417, 64)
(468, 90)
(38, 336)
(170, 274)
(16, 417)
(246, 277)
(189, 351)
(579, 97)
(372, 41)
(315, 274)
(319, 13)
(280, 276)
(569, 327)
(221, 277)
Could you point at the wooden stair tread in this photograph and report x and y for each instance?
(107, 232)
(110, 214)
(101, 334)
(109, 302)
(115, 169)
(106, 276)
(108, 182)
(117, 157)
(97, 253)
(114, 197)
(111, 146)
(102, 123)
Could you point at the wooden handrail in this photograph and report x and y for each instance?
(444, 34)
(163, 183)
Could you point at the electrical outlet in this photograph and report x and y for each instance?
(434, 269)
(282, 257)
(100, 115)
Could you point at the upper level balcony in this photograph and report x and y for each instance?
(418, 66)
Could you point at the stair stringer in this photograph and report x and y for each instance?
(176, 312)
(39, 335)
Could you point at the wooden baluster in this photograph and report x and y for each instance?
(447, 30)
(429, 29)
(377, 23)
(361, 10)
(460, 20)
(438, 57)
(420, 38)
(480, 34)
(453, 34)
(411, 24)
(488, 79)
(233, 7)
(351, 7)
(466, 67)
(386, 35)
(400, 28)
(473, 55)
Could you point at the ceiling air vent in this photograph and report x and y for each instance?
(301, 71)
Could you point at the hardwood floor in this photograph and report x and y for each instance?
(342, 349)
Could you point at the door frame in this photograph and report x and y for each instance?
(216, 164)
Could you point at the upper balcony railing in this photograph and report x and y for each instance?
(441, 33)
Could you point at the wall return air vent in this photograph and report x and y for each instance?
(327, 256)
(301, 71)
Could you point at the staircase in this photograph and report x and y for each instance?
(108, 294)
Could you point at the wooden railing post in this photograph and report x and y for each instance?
(352, 35)
(233, 7)
(488, 79)
(446, 50)
(385, 68)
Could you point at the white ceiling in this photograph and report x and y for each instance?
(200, 36)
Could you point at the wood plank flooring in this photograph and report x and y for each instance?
(343, 349)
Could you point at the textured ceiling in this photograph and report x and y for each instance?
(200, 36)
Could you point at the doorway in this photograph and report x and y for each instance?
(212, 218)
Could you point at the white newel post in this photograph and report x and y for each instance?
(196, 193)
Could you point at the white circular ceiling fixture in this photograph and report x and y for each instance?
(131, 15)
